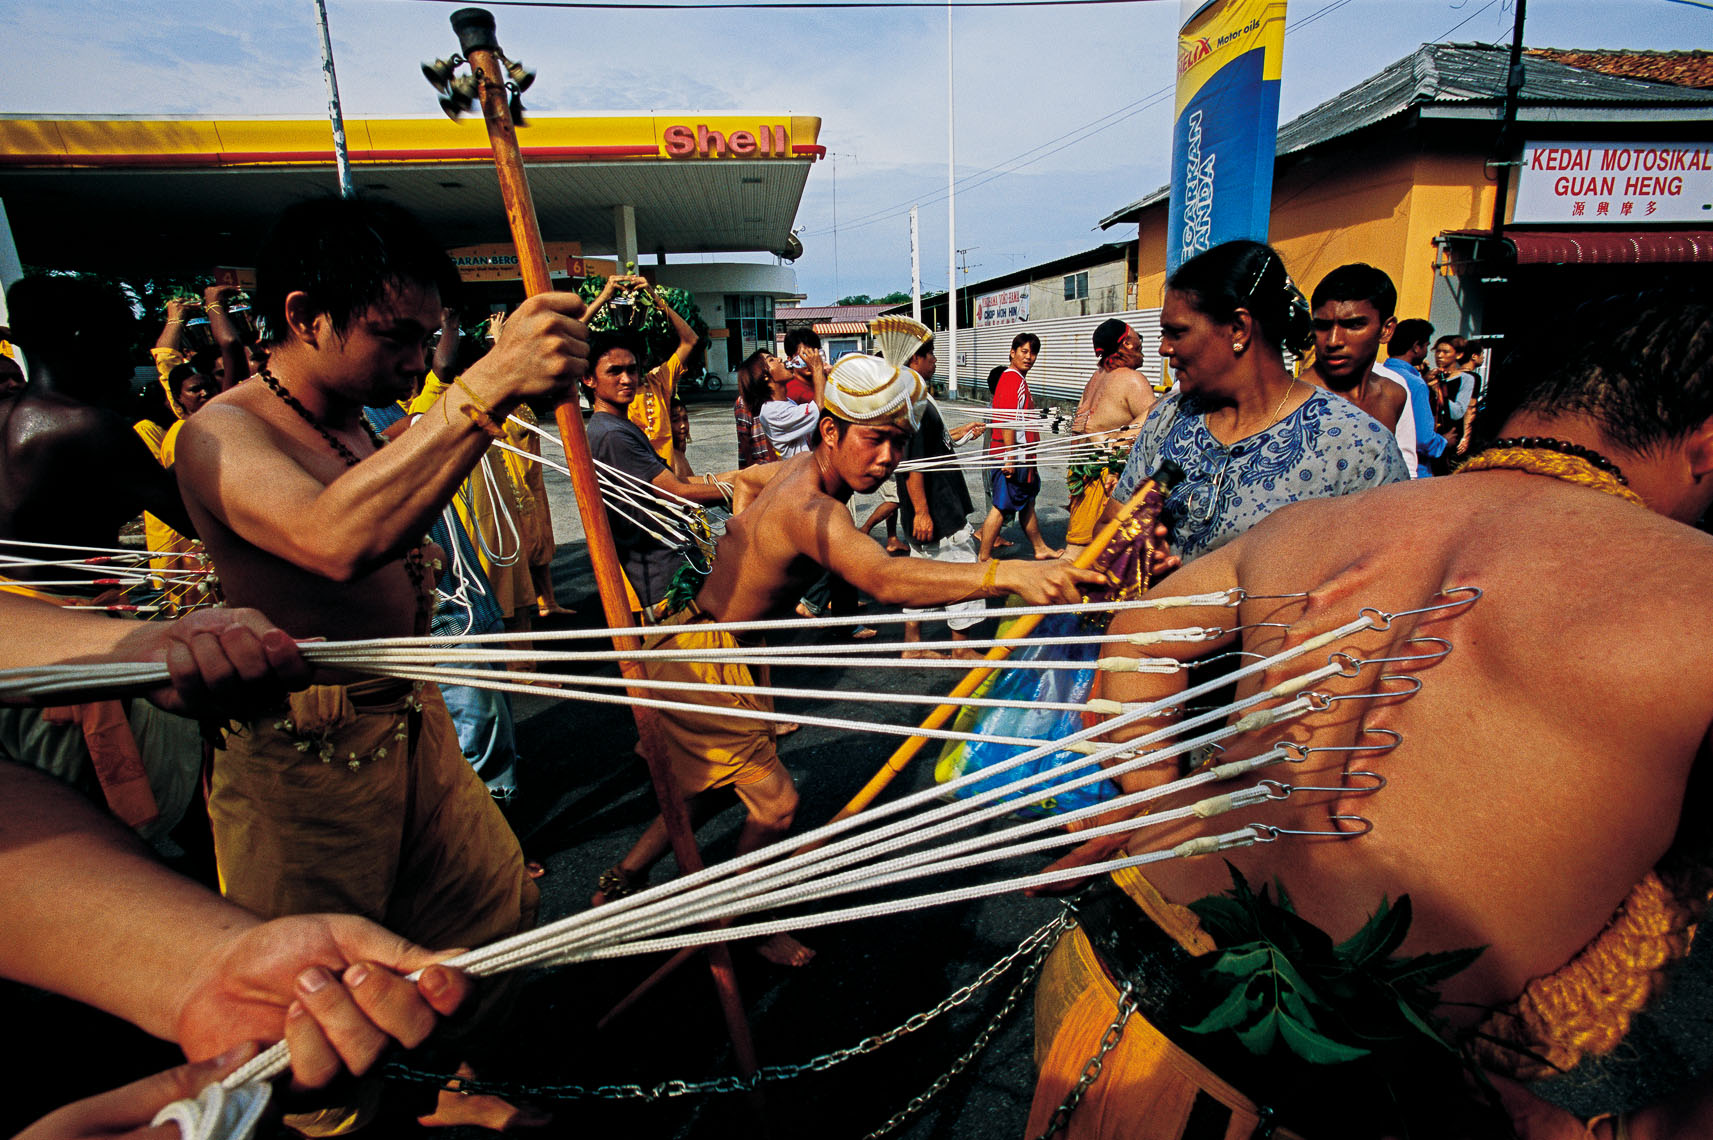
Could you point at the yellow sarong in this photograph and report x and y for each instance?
(704, 749)
(1086, 507)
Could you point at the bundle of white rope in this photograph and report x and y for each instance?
(862, 853)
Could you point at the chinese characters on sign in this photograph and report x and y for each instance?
(1006, 307)
(1615, 182)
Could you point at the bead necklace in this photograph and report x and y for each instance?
(1545, 443)
(413, 557)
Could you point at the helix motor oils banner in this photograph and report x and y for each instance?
(1229, 54)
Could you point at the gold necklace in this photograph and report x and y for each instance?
(1219, 480)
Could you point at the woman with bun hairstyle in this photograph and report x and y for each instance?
(1247, 436)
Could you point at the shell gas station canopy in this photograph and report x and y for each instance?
(185, 194)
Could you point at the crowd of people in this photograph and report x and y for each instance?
(354, 466)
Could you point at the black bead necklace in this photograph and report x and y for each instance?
(333, 441)
(1545, 443)
(413, 557)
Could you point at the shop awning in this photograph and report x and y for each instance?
(841, 328)
(1644, 248)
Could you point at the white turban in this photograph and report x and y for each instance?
(867, 391)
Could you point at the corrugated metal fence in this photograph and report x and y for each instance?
(1067, 354)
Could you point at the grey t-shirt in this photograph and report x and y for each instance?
(648, 562)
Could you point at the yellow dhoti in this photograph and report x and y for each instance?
(358, 800)
(1086, 507)
(704, 749)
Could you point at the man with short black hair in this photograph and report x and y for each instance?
(651, 407)
(799, 523)
(1353, 316)
(355, 796)
(72, 470)
(649, 562)
(801, 365)
(1017, 483)
(1115, 401)
(1406, 351)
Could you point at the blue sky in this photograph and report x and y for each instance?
(1068, 110)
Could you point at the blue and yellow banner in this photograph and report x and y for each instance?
(1229, 56)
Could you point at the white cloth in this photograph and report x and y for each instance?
(960, 547)
(790, 427)
(1406, 429)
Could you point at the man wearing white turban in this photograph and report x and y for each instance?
(799, 524)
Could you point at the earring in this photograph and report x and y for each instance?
(1237, 347)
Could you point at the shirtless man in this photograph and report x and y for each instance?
(1552, 761)
(302, 513)
(1115, 401)
(71, 468)
(798, 525)
(1354, 314)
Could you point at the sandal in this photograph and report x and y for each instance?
(616, 883)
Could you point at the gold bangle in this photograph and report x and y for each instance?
(213, 307)
(992, 574)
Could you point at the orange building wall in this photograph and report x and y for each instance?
(1374, 204)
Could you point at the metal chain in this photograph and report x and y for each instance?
(1024, 982)
(1091, 1070)
(1040, 943)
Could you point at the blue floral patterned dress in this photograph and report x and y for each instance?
(1325, 448)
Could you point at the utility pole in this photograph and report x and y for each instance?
(1505, 147)
(951, 218)
(915, 269)
(340, 155)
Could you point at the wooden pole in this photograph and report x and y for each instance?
(477, 41)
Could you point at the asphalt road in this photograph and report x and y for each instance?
(584, 799)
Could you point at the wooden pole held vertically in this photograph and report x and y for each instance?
(477, 41)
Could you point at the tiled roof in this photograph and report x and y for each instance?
(1682, 68)
(830, 313)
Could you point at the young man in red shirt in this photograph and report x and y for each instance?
(1015, 486)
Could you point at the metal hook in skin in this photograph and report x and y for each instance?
(1238, 595)
(1354, 665)
(1383, 620)
(1320, 702)
(1278, 790)
(1303, 752)
(1267, 833)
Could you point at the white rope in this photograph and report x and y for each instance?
(555, 942)
(1092, 705)
(1224, 599)
(335, 649)
(70, 546)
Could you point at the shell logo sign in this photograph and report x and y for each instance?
(766, 141)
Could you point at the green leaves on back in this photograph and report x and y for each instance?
(1280, 981)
